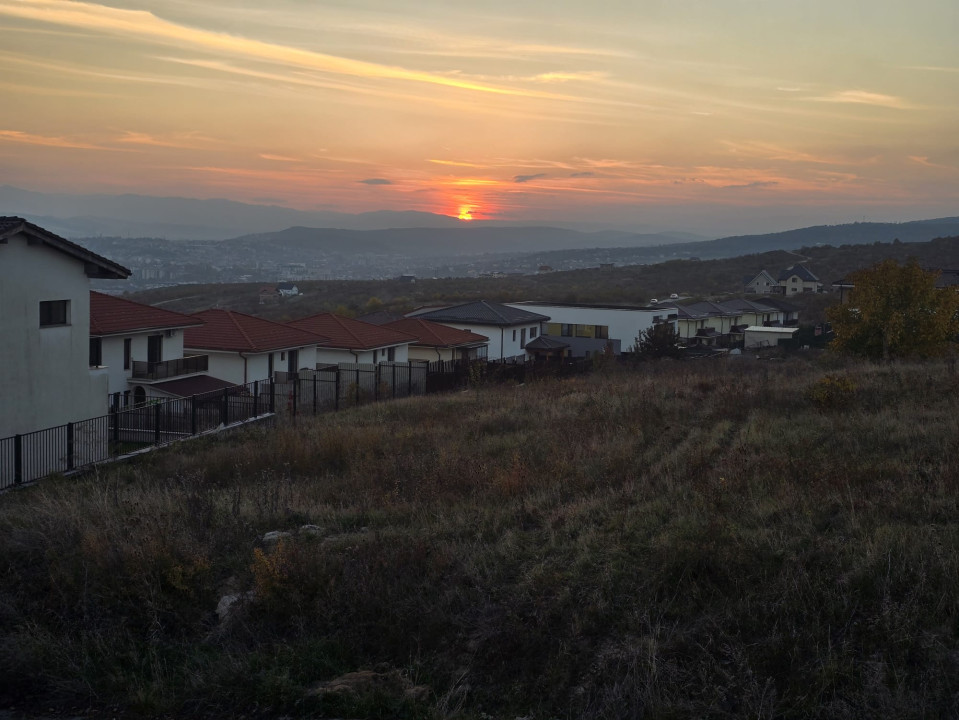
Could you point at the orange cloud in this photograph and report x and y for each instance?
(60, 142)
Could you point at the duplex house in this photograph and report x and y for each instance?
(353, 341)
(762, 283)
(140, 346)
(243, 348)
(508, 328)
(435, 342)
(798, 279)
(588, 329)
(47, 379)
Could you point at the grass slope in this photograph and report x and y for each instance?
(738, 539)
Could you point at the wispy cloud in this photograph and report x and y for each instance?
(279, 158)
(376, 181)
(18, 136)
(862, 97)
(455, 163)
(932, 68)
(925, 162)
(752, 186)
(131, 137)
(582, 175)
(528, 178)
(146, 25)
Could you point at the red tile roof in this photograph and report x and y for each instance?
(436, 335)
(236, 332)
(111, 315)
(352, 334)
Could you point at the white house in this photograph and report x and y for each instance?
(435, 342)
(353, 341)
(762, 283)
(589, 328)
(45, 329)
(798, 279)
(140, 346)
(508, 328)
(243, 348)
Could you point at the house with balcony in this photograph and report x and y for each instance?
(141, 349)
(47, 378)
(353, 341)
(242, 348)
(587, 330)
(508, 327)
(435, 342)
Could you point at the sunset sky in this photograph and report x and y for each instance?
(619, 111)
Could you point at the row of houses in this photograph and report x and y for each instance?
(70, 351)
(794, 280)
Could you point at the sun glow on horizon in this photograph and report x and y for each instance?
(466, 212)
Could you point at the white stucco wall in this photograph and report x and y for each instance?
(46, 378)
(334, 356)
(624, 324)
(242, 369)
(501, 343)
(112, 354)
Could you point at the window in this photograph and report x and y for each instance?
(567, 330)
(514, 334)
(391, 354)
(127, 353)
(54, 312)
(602, 332)
(96, 352)
(532, 333)
(522, 337)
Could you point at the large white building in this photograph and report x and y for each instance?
(508, 328)
(47, 379)
(588, 329)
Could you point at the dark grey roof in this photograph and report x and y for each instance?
(96, 266)
(545, 342)
(804, 274)
(748, 305)
(483, 313)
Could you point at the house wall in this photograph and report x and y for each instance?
(763, 284)
(112, 354)
(241, 369)
(432, 354)
(330, 356)
(501, 342)
(624, 325)
(46, 379)
(793, 285)
(765, 338)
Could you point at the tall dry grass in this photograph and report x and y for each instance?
(732, 539)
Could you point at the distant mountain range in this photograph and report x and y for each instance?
(176, 218)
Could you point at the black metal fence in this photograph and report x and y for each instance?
(75, 445)
(123, 431)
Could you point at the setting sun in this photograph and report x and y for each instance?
(466, 212)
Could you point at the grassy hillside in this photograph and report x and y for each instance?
(730, 539)
(632, 284)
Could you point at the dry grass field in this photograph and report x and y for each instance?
(740, 538)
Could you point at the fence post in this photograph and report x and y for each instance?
(357, 386)
(295, 392)
(336, 389)
(18, 459)
(376, 381)
(272, 395)
(394, 380)
(314, 392)
(225, 409)
(409, 378)
(156, 424)
(69, 446)
(256, 398)
(193, 414)
(115, 414)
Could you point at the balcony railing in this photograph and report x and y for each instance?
(170, 368)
